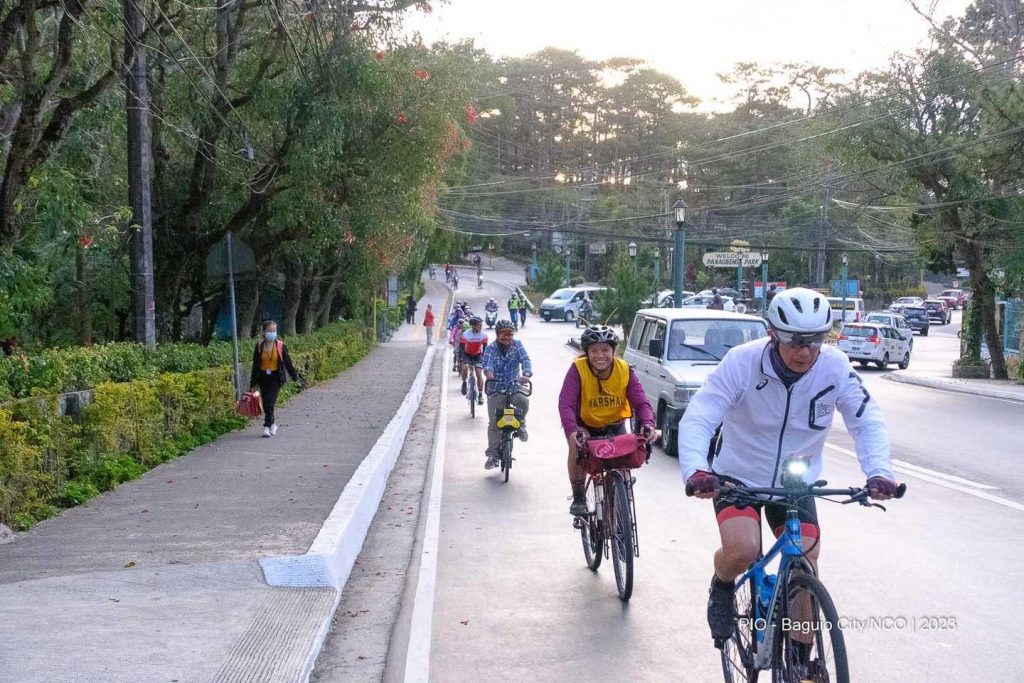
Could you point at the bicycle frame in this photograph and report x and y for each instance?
(789, 547)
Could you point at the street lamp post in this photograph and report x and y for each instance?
(764, 281)
(631, 248)
(846, 263)
(657, 274)
(678, 260)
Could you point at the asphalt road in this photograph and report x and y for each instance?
(514, 600)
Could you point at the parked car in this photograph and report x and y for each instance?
(722, 291)
(874, 343)
(664, 299)
(902, 301)
(893, 320)
(917, 318)
(702, 301)
(957, 296)
(937, 311)
(673, 350)
(854, 312)
(565, 303)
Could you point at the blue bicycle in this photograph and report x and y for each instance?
(786, 622)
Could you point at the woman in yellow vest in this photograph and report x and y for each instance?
(599, 395)
(270, 363)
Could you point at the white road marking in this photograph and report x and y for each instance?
(417, 659)
(949, 481)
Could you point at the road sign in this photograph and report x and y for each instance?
(725, 259)
(599, 248)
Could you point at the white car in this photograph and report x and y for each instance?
(702, 301)
(897, 306)
(875, 343)
(673, 350)
(665, 297)
(892, 320)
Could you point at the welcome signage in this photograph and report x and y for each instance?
(726, 259)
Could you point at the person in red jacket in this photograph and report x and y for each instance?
(428, 324)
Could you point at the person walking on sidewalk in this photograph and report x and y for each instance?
(270, 362)
(506, 363)
(513, 310)
(410, 309)
(428, 323)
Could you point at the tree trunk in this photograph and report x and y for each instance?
(292, 297)
(83, 304)
(247, 301)
(323, 313)
(983, 295)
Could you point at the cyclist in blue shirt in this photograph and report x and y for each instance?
(507, 363)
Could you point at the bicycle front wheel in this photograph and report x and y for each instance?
(590, 528)
(621, 534)
(506, 455)
(739, 650)
(813, 648)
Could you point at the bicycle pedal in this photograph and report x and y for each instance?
(578, 523)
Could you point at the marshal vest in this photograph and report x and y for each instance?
(603, 402)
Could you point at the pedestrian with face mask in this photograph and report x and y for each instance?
(271, 367)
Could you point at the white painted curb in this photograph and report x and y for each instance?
(329, 560)
(417, 659)
(956, 387)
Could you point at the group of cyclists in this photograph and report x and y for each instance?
(767, 399)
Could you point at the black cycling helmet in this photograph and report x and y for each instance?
(476, 320)
(504, 325)
(598, 333)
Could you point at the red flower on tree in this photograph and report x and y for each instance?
(379, 55)
(471, 115)
(421, 75)
(402, 118)
(85, 241)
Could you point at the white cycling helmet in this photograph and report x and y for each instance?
(801, 311)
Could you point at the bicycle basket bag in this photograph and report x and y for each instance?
(625, 450)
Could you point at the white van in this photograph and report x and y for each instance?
(673, 350)
(565, 303)
(854, 312)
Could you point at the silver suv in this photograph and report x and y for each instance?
(673, 350)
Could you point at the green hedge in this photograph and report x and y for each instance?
(48, 461)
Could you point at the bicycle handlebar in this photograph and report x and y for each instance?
(524, 388)
(745, 494)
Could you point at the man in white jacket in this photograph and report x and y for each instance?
(775, 397)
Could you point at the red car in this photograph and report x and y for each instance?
(954, 297)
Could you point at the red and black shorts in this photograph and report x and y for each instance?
(774, 513)
(473, 359)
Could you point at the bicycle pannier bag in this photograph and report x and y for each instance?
(625, 450)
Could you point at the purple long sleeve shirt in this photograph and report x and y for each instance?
(569, 401)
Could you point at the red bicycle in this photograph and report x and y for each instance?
(609, 526)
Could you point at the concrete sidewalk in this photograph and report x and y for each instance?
(160, 579)
(1010, 390)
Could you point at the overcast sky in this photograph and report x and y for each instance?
(692, 39)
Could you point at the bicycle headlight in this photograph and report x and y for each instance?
(794, 469)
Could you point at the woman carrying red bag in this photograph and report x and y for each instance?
(270, 362)
(599, 395)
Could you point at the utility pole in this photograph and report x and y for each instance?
(819, 269)
(140, 231)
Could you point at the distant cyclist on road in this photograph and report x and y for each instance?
(599, 395)
(473, 342)
(775, 397)
(507, 363)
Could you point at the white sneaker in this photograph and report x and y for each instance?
(273, 429)
(266, 432)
